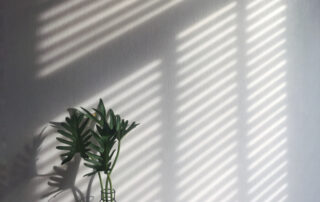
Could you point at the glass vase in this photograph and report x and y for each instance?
(109, 197)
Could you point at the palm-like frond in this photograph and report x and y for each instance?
(100, 159)
(76, 135)
(109, 122)
(110, 128)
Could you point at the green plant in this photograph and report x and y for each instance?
(97, 143)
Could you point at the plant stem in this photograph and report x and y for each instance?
(106, 190)
(116, 158)
(101, 185)
(108, 180)
(110, 183)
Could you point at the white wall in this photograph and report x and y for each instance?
(304, 90)
(194, 140)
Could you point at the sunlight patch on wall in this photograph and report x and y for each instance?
(65, 37)
(266, 86)
(138, 169)
(206, 100)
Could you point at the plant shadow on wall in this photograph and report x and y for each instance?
(21, 170)
(63, 179)
(16, 175)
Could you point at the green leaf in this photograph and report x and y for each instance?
(89, 115)
(94, 156)
(112, 119)
(98, 139)
(87, 138)
(67, 127)
(100, 130)
(95, 147)
(101, 108)
(118, 122)
(109, 130)
(64, 141)
(64, 147)
(126, 131)
(77, 135)
(93, 162)
(83, 125)
(66, 134)
(68, 120)
(102, 116)
(90, 165)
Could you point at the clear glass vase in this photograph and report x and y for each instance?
(110, 196)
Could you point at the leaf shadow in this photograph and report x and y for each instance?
(22, 168)
(63, 179)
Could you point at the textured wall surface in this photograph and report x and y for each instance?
(226, 92)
